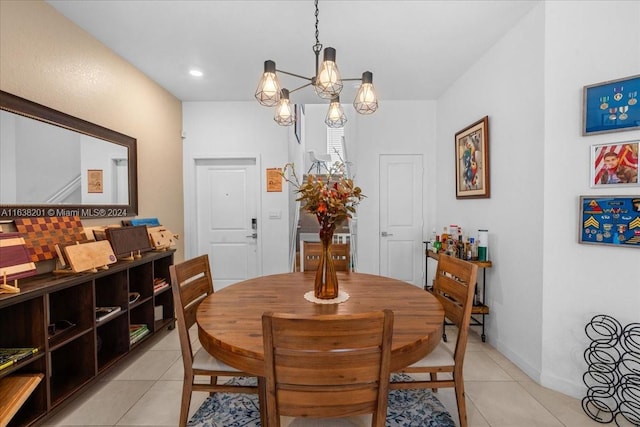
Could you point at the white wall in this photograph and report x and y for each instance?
(101, 155)
(544, 286)
(48, 59)
(214, 129)
(581, 281)
(239, 128)
(396, 128)
(507, 85)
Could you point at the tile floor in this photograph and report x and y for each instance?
(145, 391)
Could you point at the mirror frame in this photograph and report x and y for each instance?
(24, 107)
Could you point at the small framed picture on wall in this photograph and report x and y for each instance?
(614, 164)
(94, 181)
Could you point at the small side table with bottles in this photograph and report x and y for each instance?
(479, 307)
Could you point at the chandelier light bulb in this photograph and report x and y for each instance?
(366, 101)
(284, 114)
(328, 82)
(268, 91)
(335, 116)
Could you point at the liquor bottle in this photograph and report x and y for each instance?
(474, 249)
(437, 245)
(444, 238)
(460, 246)
(467, 248)
(451, 246)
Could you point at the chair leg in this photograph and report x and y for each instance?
(213, 381)
(460, 400)
(186, 401)
(434, 377)
(262, 400)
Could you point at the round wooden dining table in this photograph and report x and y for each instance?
(230, 320)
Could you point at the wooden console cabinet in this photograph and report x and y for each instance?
(71, 357)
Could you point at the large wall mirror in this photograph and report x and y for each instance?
(54, 164)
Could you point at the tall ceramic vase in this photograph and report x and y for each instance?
(326, 283)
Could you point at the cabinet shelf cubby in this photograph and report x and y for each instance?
(35, 405)
(141, 280)
(164, 297)
(16, 332)
(71, 366)
(112, 341)
(57, 315)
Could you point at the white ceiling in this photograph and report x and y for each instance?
(415, 49)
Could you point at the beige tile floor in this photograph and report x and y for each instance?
(145, 391)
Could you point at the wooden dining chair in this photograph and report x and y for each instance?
(454, 286)
(191, 282)
(340, 252)
(327, 366)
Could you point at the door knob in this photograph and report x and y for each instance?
(385, 234)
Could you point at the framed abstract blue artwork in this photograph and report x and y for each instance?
(611, 106)
(610, 220)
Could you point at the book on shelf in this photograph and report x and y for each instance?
(11, 355)
(135, 328)
(140, 336)
(159, 283)
(104, 313)
(137, 332)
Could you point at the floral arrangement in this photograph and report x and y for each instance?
(331, 197)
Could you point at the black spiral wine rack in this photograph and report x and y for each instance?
(613, 374)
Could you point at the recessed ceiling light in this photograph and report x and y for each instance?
(196, 73)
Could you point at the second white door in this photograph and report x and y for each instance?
(401, 254)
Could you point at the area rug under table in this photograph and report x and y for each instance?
(406, 408)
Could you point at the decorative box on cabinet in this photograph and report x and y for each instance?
(56, 315)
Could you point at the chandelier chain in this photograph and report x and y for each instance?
(318, 46)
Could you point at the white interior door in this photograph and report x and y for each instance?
(401, 254)
(227, 218)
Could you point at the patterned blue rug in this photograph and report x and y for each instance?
(406, 408)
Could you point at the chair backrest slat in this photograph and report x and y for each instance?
(454, 286)
(340, 253)
(328, 365)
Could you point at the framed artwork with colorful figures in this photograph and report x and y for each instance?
(472, 161)
(614, 164)
(610, 220)
(611, 106)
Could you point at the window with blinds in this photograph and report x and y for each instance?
(334, 144)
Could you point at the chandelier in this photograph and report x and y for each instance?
(327, 84)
